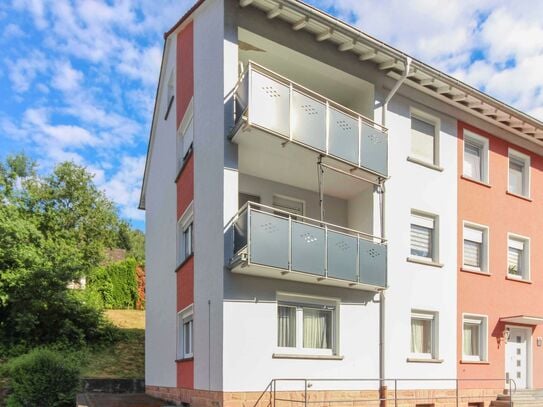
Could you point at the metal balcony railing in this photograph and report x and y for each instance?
(270, 237)
(271, 102)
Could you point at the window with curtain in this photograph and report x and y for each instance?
(474, 338)
(473, 167)
(423, 143)
(305, 328)
(422, 236)
(187, 338)
(187, 240)
(516, 257)
(185, 334)
(422, 334)
(474, 247)
(286, 326)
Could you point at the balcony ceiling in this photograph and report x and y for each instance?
(263, 155)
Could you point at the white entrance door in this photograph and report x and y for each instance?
(516, 357)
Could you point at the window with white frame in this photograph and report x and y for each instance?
(474, 342)
(185, 236)
(475, 157)
(288, 204)
(185, 333)
(518, 257)
(185, 137)
(475, 247)
(519, 173)
(423, 335)
(306, 326)
(170, 92)
(423, 236)
(424, 139)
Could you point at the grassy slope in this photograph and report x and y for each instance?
(125, 359)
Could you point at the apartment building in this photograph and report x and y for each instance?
(321, 207)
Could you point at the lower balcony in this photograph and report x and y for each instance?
(268, 242)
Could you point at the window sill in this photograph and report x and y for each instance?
(190, 256)
(474, 362)
(475, 271)
(518, 279)
(424, 262)
(184, 360)
(526, 198)
(476, 181)
(416, 360)
(300, 356)
(425, 164)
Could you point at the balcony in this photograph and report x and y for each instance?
(267, 102)
(269, 242)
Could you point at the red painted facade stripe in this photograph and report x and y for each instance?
(185, 284)
(185, 186)
(185, 70)
(494, 295)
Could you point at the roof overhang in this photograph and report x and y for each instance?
(391, 61)
(523, 320)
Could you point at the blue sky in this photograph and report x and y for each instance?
(78, 77)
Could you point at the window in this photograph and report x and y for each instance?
(185, 333)
(518, 260)
(475, 247)
(423, 335)
(423, 236)
(170, 92)
(185, 236)
(474, 338)
(519, 173)
(291, 205)
(306, 327)
(475, 157)
(185, 137)
(424, 139)
(244, 198)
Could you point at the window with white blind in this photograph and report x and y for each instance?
(306, 327)
(475, 157)
(185, 333)
(475, 247)
(474, 338)
(423, 236)
(287, 204)
(519, 173)
(423, 335)
(518, 259)
(424, 139)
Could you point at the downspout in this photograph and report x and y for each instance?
(382, 303)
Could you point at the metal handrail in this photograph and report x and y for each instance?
(342, 229)
(310, 93)
(272, 387)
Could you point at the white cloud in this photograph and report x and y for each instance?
(66, 78)
(23, 71)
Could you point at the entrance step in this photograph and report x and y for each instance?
(521, 398)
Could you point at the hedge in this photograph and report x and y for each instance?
(114, 285)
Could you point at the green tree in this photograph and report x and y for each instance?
(53, 230)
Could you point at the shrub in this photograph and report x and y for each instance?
(116, 284)
(43, 377)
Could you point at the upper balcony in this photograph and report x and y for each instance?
(267, 102)
(269, 242)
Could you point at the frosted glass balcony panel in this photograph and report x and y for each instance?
(374, 149)
(269, 240)
(342, 250)
(373, 263)
(308, 121)
(343, 136)
(307, 248)
(269, 104)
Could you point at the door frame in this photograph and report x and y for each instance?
(529, 367)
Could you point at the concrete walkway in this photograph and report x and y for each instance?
(117, 400)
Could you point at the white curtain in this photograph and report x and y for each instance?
(515, 261)
(286, 327)
(472, 253)
(471, 340)
(420, 336)
(317, 329)
(472, 161)
(516, 175)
